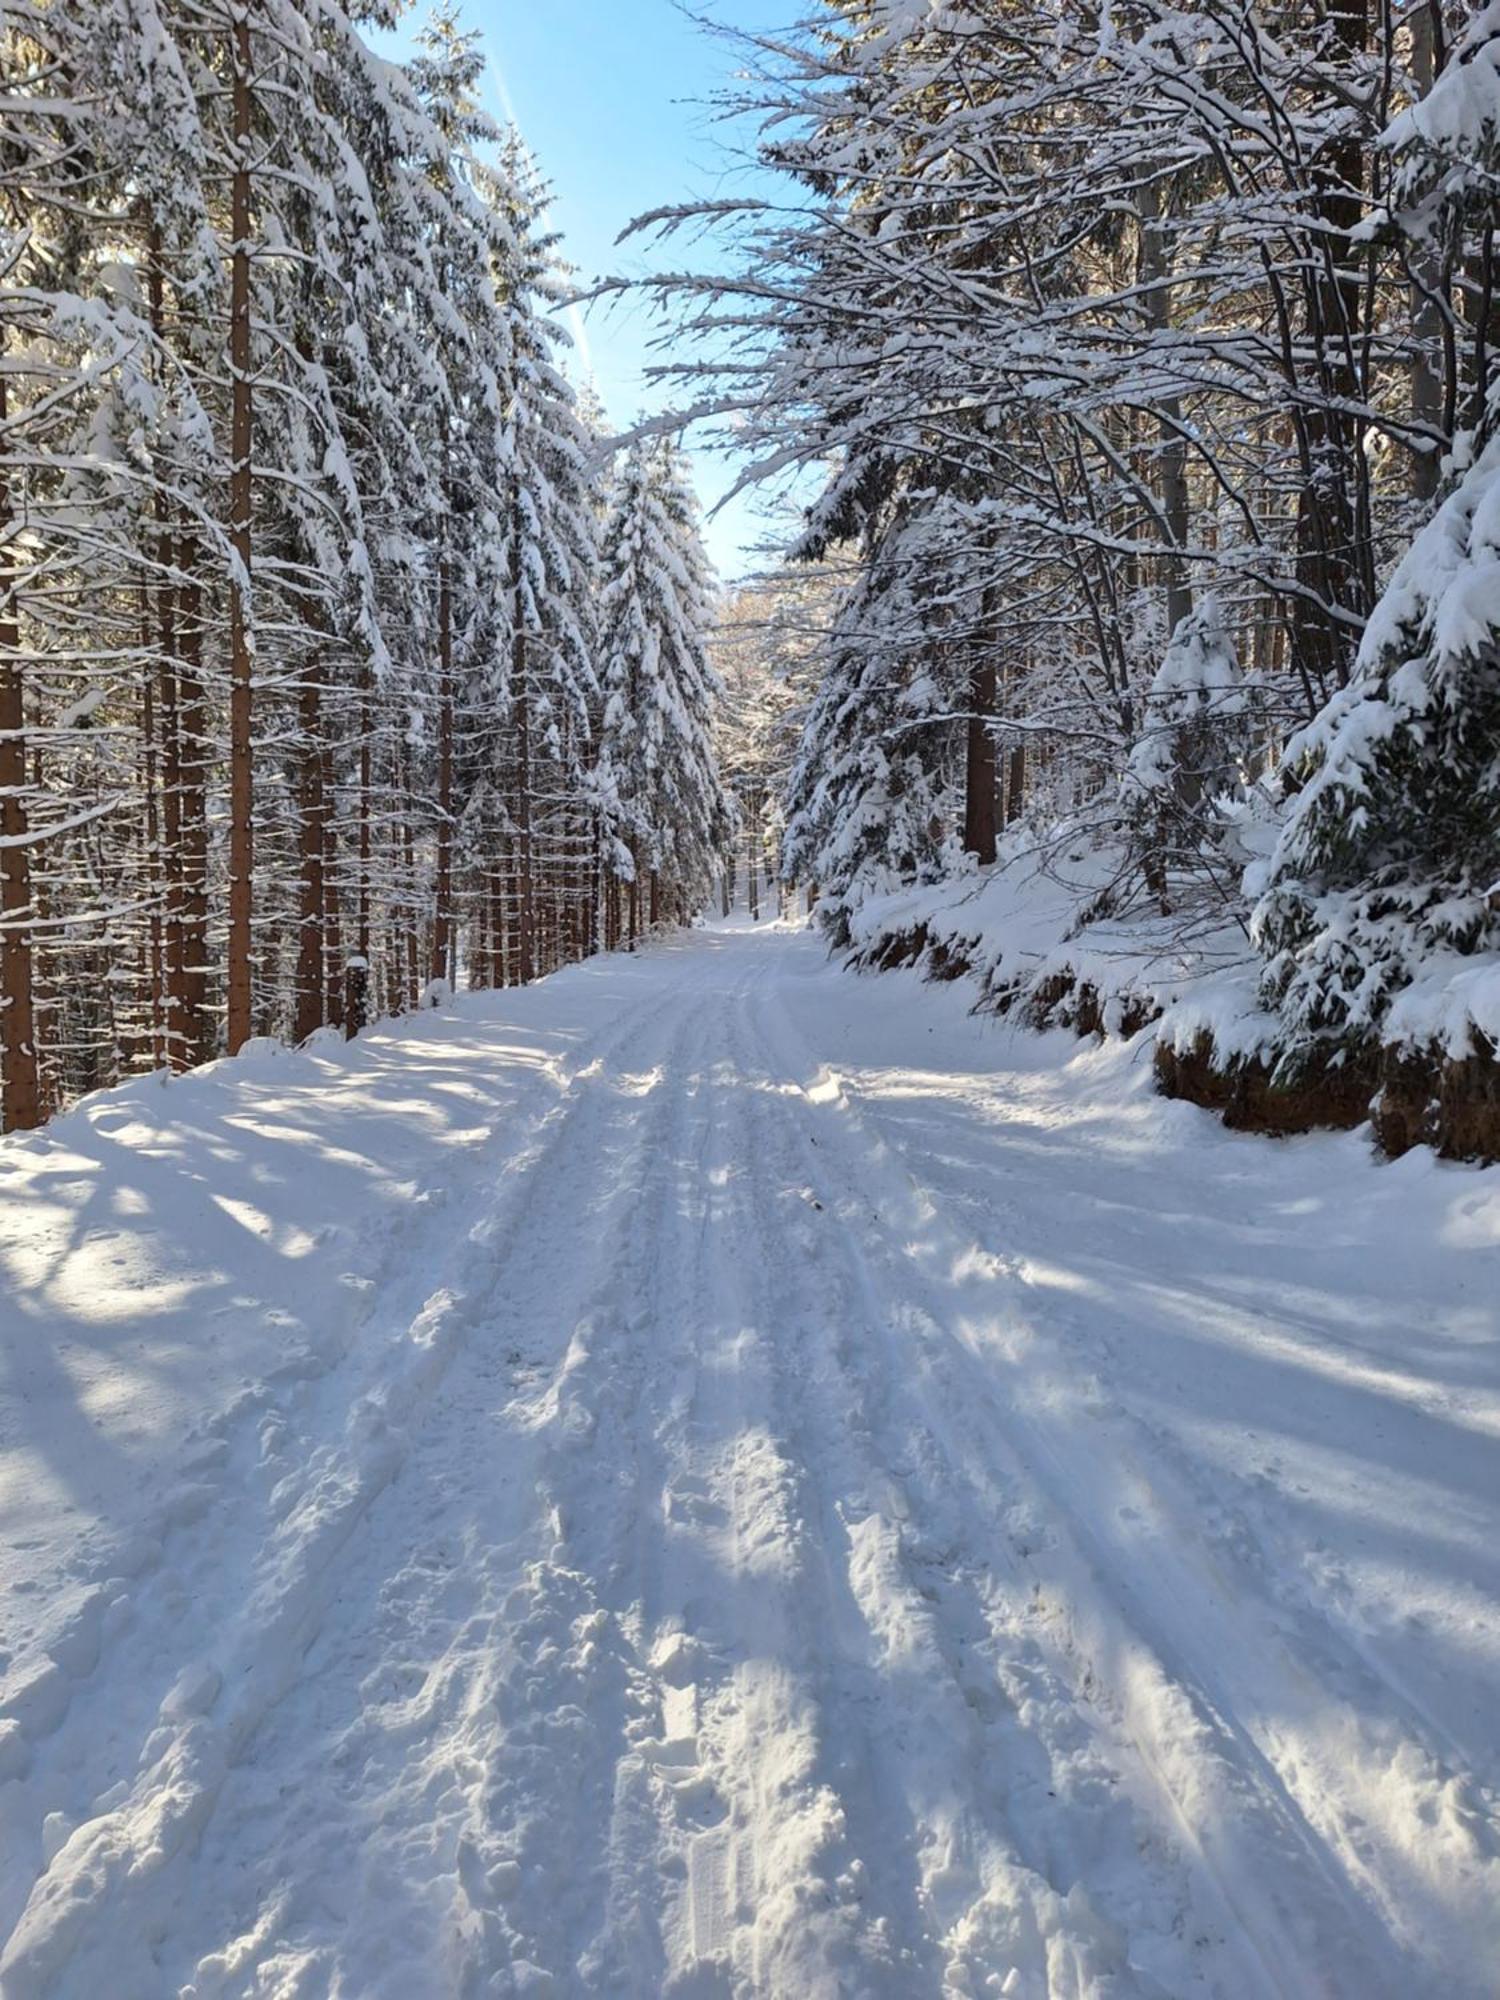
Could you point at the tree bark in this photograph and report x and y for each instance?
(526, 886)
(20, 1100)
(193, 810)
(241, 769)
(979, 766)
(1332, 562)
(312, 914)
(442, 926)
(1171, 452)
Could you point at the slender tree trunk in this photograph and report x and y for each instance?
(979, 771)
(179, 1040)
(1154, 274)
(526, 886)
(193, 811)
(153, 860)
(241, 772)
(1333, 565)
(333, 943)
(357, 971)
(20, 1100)
(309, 1012)
(412, 952)
(1429, 398)
(495, 886)
(442, 928)
(1015, 784)
(180, 1048)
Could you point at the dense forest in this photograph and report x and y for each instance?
(340, 657)
(1133, 374)
(1144, 360)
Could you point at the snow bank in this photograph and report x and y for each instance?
(1024, 930)
(1034, 936)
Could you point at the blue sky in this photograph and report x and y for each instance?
(611, 95)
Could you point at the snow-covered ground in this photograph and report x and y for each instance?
(717, 1476)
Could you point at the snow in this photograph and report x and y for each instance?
(1041, 914)
(711, 1475)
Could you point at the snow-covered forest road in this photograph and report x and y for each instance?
(713, 1476)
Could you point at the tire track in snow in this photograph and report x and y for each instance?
(974, 1717)
(534, 1669)
(102, 1907)
(757, 1817)
(1297, 1882)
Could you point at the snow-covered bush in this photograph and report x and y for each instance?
(1391, 849)
(1194, 751)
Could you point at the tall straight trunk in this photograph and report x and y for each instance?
(153, 860)
(655, 899)
(526, 886)
(1430, 397)
(179, 1053)
(313, 912)
(411, 965)
(442, 928)
(752, 860)
(1153, 272)
(1015, 783)
(1334, 562)
(495, 900)
(357, 970)
(241, 994)
(979, 762)
(594, 936)
(512, 904)
(1482, 317)
(179, 1049)
(192, 724)
(20, 1098)
(333, 948)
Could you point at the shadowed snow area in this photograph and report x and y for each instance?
(713, 1476)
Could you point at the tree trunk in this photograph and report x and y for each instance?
(442, 927)
(1153, 271)
(526, 928)
(333, 946)
(357, 971)
(241, 771)
(1430, 400)
(979, 771)
(20, 1100)
(308, 1014)
(1015, 783)
(181, 1039)
(153, 859)
(1333, 561)
(193, 811)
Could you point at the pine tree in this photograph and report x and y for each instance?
(659, 787)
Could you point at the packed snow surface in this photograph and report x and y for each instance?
(715, 1476)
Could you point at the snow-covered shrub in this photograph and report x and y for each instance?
(866, 806)
(1194, 753)
(1390, 853)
